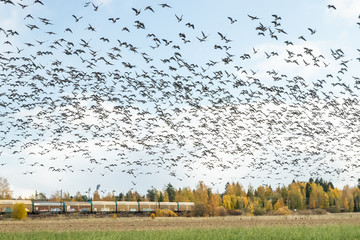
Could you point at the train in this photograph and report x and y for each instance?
(38, 207)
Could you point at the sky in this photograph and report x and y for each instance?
(97, 128)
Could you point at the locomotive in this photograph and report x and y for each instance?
(38, 207)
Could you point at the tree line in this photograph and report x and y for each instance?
(298, 195)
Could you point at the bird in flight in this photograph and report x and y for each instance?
(252, 17)
(137, 12)
(77, 18)
(164, 5)
(232, 20)
(113, 19)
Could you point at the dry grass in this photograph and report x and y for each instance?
(64, 223)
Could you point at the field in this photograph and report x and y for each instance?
(329, 226)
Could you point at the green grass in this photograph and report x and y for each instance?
(294, 232)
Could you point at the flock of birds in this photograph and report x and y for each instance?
(140, 109)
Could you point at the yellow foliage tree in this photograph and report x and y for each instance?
(317, 196)
(201, 193)
(18, 211)
(250, 208)
(188, 194)
(181, 196)
(295, 197)
(347, 199)
(346, 204)
(166, 197)
(214, 203)
(334, 196)
(325, 201)
(260, 193)
(244, 200)
(268, 192)
(279, 204)
(227, 201)
(235, 189)
(268, 205)
(108, 197)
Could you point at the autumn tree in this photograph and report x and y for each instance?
(166, 196)
(243, 202)
(268, 192)
(295, 196)
(19, 211)
(334, 199)
(201, 193)
(214, 203)
(318, 198)
(184, 195)
(268, 205)
(235, 189)
(260, 194)
(279, 204)
(5, 192)
(227, 201)
(347, 199)
(108, 197)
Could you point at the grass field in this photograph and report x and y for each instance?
(330, 226)
(293, 232)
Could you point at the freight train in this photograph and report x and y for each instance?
(38, 207)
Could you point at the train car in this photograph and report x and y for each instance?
(47, 207)
(6, 205)
(82, 207)
(173, 206)
(124, 206)
(148, 206)
(186, 206)
(103, 206)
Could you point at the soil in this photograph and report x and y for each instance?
(106, 222)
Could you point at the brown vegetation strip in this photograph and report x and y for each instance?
(62, 223)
